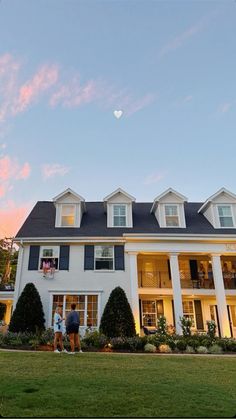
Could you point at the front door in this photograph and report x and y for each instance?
(232, 319)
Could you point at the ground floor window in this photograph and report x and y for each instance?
(188, 311)
(86, 305)
(151, 311)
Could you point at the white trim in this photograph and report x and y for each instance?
(178, 215)
(94, 261)
(126, 214)
(212, 197)
(117, 191)
(68, 190)
(232, 215)
(168, 191)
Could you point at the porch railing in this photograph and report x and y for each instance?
(205, 282)
(154, 279)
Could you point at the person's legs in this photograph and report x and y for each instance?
(72, 342)
(60, 341)
(77, 341)
(56, 338)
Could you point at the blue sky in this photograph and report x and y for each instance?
(65, 66)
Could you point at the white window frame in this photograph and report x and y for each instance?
(152, 301)
(77, 293)
(42, 248)
(61, 215)
(178, 215)
(185, 314)
(232, 215)
(113, 255)
(126, 214)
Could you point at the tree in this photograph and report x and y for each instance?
(117, 319)
(8, 261)
(28, 315)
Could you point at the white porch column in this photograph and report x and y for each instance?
(220, 296)
(134, 288)
(176, 285)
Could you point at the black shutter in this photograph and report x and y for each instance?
(193, 269)
(140, 313)
(168, 266)
(119, 258)
(198, 314)
(89, 257)
(64, 258)
(230, 321)
(34, 258)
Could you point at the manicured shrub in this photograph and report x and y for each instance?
(150, 348)
(228, 345)
(202, 350)
(117, 343)
(117, 319)
(189, 350)
(215, 349)
(47, 337)
(186, 324)
(211, 328)
(28, 315)
(95, 340)
(164, 349)
(181, 345)
(162, 326)
(3, 309)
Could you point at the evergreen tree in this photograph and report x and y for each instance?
(117, 319)
(28, 315)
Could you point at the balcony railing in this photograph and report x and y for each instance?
(206, 282)
(7, 287)
(229, 280)
(154, 279)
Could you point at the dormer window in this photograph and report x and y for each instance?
(119, 215)
(68, 215)
(172, 215)
(225, 216)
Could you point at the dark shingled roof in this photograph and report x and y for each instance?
(41, 222)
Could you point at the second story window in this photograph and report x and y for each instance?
(225, 216)
(68, 215)
(171, 216)
(104, 258)
(119, 215)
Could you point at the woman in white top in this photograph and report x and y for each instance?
(58, 328)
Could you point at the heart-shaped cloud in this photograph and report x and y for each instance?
(118, 114)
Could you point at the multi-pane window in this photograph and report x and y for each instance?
(67, 215)
(188, 311)
(225, 216)
(119, 215)
(86, 306)
(104, 258)
(49, 257)
(149, 312)
(171, 216)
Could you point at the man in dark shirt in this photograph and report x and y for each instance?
(72, 329)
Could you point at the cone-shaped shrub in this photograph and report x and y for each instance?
(117, 319)
(28, 315)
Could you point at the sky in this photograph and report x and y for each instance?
(67, 65)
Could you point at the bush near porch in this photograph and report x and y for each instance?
(95, 341)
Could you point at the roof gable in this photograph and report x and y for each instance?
(119, 191)
(176, 197)
(223, 192)
(68, 192)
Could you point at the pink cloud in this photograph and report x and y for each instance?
(10, 171)
(75, 94)
(225, 107)
(153, 178)
(51, 170)
(45, 78)
(11, 217)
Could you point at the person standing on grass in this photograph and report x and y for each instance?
(72, 329)
(58, 328)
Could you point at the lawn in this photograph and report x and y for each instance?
(95, 384)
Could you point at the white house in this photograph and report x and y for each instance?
(171, 257)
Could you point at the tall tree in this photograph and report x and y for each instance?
(28, 315)
(117, 319)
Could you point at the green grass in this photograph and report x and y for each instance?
(93, 384)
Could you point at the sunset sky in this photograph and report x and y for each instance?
(65, 66)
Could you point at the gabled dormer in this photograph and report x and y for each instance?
(69, 209)
(118, 206)
(220, 209)
(169, 209)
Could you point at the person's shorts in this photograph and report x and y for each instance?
(72, 329)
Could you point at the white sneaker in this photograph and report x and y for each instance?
(80, 351)
(57, 352)
(65, 351)
(71, 353)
